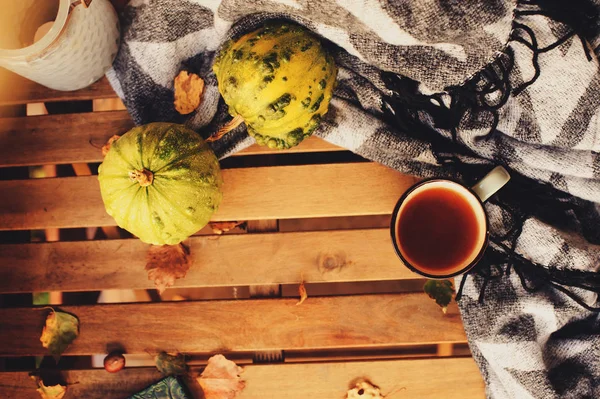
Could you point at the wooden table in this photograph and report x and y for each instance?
(315, 213)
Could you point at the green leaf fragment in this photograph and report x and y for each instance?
(171, 364)
(441, 291)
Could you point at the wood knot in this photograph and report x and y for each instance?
(331, 262)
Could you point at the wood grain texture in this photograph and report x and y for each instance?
(228, 260)
(453, 378)
(55, 139)
(18, 90)
(77, 138)
(249, 194)
(367, 321)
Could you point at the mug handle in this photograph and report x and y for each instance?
(491, 183)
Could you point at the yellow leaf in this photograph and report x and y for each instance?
(188, 92)
(166, 263)
(51, 392)
(364, 390)
(106, 147)
(60, 330)
(223, 227)
(302, 292)
(221, 379)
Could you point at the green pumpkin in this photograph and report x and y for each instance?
(161, 182)
(278, 80)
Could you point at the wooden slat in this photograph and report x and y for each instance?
(18, 90)
(77, 138)
(455, 378)
(250, 193)
(230, 260)
(55, 139)
(367, 321)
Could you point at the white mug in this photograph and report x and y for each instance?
(77, 50)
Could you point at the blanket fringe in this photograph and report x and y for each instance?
(485, 93)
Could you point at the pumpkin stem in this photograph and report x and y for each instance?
(229, 126)
(144, 177)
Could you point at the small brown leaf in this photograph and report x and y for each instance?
(59, 331)
(51, 392)
(302, 292)
(221, 379)
(106, 147)
(364, 390)
(223, 227)
(188, 92)
(166, 263)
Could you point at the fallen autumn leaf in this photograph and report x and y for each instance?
(221, 379)
(169, 364)
(303, 294)
(60, 330)
(166, 263)
(50, 392)
(441, 291)
(188, 92)
(223, 227)
(106, 147)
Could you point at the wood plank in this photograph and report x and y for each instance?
(270, 258)
(366, 321)
(55, 139)
(77, 138)
(18, 90)
(278, 192)
(418, 378)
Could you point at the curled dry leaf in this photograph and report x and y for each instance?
(441, 291)
(166, 263)
(221, 379)
(60, 330)
(364, 390)
(106, 147)
(188, 92)
(171, 364)
(51, 392)
(223, 227)
(302, 292)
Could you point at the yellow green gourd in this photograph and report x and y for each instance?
(278, 80)
(161, 182)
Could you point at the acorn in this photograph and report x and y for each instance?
(114, 362)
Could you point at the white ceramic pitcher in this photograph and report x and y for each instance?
(78, 49)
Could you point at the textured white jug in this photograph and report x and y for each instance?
(78, 49)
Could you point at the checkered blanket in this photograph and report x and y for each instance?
(441, 88)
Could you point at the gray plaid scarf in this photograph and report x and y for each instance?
(441, 88)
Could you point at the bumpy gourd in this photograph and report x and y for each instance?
(161, 182)
(278, 80)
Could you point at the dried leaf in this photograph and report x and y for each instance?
(166, 263)
(302, 292)
(364, 390)
(188, 92)
(58, 333)
(171, 364)
(106, 147)
(441, 291)
(223, 227)
(221, 379)
(52, 392)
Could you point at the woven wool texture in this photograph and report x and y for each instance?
(447, 89)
